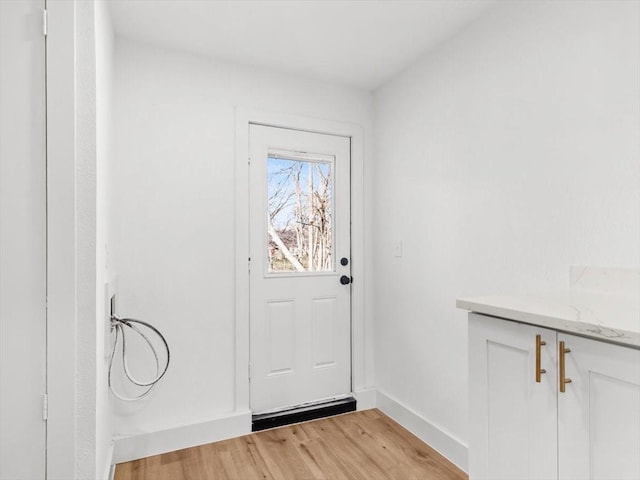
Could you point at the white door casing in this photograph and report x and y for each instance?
(300, 321)
(22, 240)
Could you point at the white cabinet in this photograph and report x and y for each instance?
(523, 427)
(512, 417)
(599, 412)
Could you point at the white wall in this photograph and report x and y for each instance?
(104, 45)
(94, 45)
(85, 214)
(173, 196)
(504, 156)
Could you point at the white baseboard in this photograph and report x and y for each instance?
(184, 436)
(109, 470)
(153, 443)
(365, 399)
(448, 446)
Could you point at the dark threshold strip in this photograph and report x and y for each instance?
(264, 421)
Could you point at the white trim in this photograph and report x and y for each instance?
(237, 424)
(109, 468)
(183, 436)
(366, 399)
(358, 345)
(61, 241)
(447, 445)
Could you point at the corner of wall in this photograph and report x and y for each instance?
(104, 271)
(444, 443)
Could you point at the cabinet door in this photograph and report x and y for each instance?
(599, 413)
(512, 417)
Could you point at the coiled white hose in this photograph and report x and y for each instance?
(118, 325)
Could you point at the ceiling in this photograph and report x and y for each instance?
(359, 43)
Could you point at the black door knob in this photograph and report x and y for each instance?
(344, 280)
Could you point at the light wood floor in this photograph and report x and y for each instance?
(365, 445)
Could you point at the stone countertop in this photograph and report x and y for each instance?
(605, 316)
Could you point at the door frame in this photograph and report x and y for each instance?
(245, 117)
(62, 297)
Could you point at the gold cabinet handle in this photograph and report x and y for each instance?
(563, 380)
(539, 371)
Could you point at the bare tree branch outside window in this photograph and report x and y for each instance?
(300, 202)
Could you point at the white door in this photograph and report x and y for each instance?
(22, 240)
(599, 412)
(513, 429)
(300, 293)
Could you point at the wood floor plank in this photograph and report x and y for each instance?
(364, 445)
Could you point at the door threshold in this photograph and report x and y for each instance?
(263, 421)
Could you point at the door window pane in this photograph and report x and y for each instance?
(300, 215)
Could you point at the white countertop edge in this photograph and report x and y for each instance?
(590, 330)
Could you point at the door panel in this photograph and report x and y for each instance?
(300, 313)
(22, 240)
(324, 327)
(599, 412)
(281, 337)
